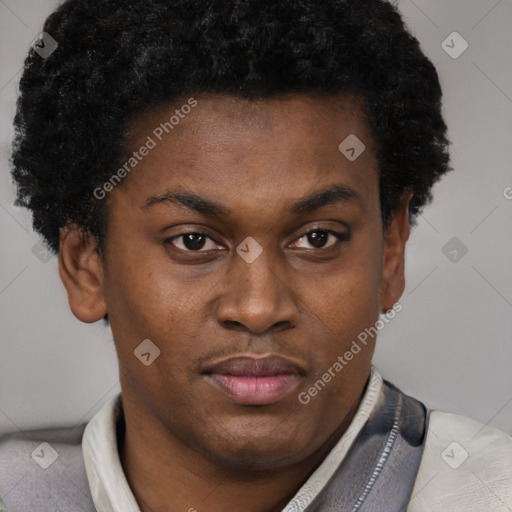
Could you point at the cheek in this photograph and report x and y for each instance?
(347, 299)
(147, 298)
(343, 317)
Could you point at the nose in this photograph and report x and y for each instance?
(257, 297)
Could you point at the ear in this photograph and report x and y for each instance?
(81, 271)
(393, 269)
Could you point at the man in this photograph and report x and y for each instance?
(231, 184)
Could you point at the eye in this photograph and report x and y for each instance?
(320, 239)
(192, 242)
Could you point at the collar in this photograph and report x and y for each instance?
(110, 489)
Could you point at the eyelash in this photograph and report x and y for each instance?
(340, 238)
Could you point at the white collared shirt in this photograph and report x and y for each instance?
(110, 489)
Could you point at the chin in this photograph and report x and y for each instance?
(272, 448)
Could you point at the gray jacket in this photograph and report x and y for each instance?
(389, 467)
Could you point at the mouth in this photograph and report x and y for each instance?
(248, 380)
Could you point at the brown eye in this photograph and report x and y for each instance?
(192, 242)
(320, 239)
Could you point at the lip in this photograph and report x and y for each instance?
(250, 380)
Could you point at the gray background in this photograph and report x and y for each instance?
(451, 344)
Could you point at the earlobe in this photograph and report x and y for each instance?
(393, 268)
(81, 271)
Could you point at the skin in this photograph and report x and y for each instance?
(188, 444)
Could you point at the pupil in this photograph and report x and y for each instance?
(318, 238)
(194, 241)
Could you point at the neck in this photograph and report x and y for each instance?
(166, 476)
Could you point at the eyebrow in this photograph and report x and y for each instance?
(337, 194)
(326, 197)
(190, 200)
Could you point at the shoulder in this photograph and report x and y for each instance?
(35, 445)
(39, 459)
(466, 466)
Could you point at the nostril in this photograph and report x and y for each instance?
(233, 324)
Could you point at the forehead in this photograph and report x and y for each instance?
(216, 117)
(265, 150)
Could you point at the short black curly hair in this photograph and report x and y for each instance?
(117, 58)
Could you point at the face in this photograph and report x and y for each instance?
(250, 251)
